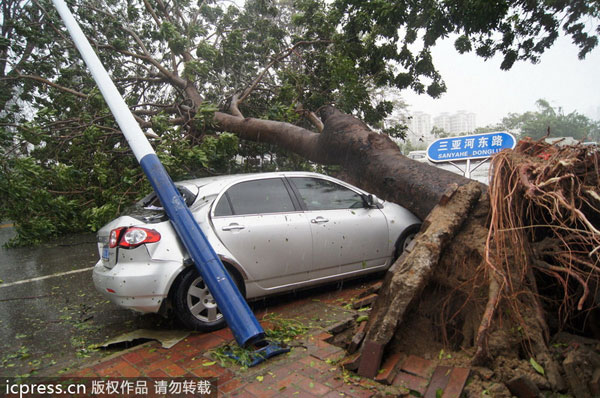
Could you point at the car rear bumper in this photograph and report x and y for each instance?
(140, 286)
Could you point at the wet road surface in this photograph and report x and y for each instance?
(50, 325)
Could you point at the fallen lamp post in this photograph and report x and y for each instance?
(247, 331)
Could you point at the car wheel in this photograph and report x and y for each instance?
(408, 235)
(195, 307)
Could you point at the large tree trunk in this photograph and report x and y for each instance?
(372, 161)
(407, 278)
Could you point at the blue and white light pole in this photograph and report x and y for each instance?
(246, 329)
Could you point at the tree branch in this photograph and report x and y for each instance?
(142, 122)
(311, 116)
(152, 12)
(285, 135)
(54, 28)
(48, 83)
(279, 58)
(153, 80)
(233, 108)
(170, 75)
(26, 53)
(165, 11)
(373, 160)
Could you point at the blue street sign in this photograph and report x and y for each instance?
(477, 146)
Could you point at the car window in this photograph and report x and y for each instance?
(152, 202)
(255, 197)
(320, 194)
(223, 208)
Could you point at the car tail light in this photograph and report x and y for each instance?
(115, 235)
(132, 237)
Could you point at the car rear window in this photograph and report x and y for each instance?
(255, 197)
(152, 202)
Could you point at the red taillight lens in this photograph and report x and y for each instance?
(115, 236)
(135, 236)
(132, 237)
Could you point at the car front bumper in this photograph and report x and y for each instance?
(137, 286)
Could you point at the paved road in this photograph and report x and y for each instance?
(48, 323)
(50, 312)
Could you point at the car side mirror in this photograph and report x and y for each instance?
(369, 200)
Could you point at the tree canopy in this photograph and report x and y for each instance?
(553, 122)
(179, 63)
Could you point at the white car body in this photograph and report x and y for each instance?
(298, 246)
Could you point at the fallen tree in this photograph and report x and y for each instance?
(502, 256)
(486, 277)
(370, 160)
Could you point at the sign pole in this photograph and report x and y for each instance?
(468, 169)
(244, 325)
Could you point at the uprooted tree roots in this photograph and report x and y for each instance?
(545, 208)
(525, 262)
(543, 243)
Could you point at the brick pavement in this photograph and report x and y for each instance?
(312, 368)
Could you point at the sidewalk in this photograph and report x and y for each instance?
(311, 369)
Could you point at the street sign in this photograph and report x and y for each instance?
(478, 146)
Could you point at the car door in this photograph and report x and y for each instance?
(262, 225)
(347, 236)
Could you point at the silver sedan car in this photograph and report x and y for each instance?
(274, 232)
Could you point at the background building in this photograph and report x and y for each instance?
(461, 122)
(443, 121)
(419, 128)
(420, 125)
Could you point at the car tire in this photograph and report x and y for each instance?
(404, 240)
(194, 305)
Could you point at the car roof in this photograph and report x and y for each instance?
(215, 183)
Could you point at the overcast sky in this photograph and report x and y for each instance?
(481, 87)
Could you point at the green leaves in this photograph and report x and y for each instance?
(538, 368)
(196, 70)
(559, 124)
(362, 318)
(515, 30)
(204, 116)
(463, 44)
(177, 63)
(176, 40)
(98, 216)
